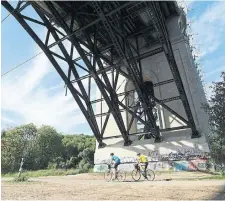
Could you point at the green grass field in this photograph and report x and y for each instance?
(62, 172)
(48, 172)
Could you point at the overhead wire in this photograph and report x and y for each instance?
(8, 16)
(21, 64)
(50, 46)
(5, 17)
(18, 6)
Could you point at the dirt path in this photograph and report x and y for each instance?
(91, 187)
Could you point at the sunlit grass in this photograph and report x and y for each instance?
(44, 173)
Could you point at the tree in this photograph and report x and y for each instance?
(79, 148)
(17, 143)
(3, 133)
(216, 110)
(48, 146)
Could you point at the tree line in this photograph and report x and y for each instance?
(44, 148)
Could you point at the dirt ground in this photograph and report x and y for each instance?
(93, 187)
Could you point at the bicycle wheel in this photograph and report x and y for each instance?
(108, 175)
(136, 175)
(150, 175)
(121, 176)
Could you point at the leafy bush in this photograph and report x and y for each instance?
(52, 165)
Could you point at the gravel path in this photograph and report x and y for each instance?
(92, 187)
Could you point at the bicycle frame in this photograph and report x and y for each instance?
(140, 167)
(110, 168)
(116, 174)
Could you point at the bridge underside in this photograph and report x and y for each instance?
(108, 37)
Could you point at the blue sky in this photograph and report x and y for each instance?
(208, 21)
(35, 93)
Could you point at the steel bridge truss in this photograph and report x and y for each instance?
(101, 35)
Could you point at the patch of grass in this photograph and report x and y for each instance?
(22, 178)
(91, 170)
(47, 172)
(74, 171)
(9, 174)
(216, 177)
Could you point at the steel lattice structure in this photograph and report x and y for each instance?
(101, 32)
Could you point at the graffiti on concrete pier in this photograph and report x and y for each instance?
(179, 154)
(190, 159)
(183, 165)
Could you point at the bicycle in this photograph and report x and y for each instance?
(138, 172)
(108, 175)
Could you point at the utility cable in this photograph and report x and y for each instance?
(8, 15)
(21, 64)
(18, 7)
(5, 17)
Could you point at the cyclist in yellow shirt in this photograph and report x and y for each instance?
(143, 159)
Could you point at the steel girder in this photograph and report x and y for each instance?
(110, 100)
(160, 26)
(119, 43)
(131, 67)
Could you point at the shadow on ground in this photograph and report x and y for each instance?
(220, 195)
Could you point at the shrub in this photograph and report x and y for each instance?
(52, 165)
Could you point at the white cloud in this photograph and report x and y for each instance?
(213, 68)
(7, 120)
(210, 73)
(23, 93)
(210, 27)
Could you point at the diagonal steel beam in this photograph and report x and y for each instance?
(114, 108)
(131, 68)
(114, 83)
(112, 91)
(24, 24)
(160, 26)
(132, 118)
(75, 73)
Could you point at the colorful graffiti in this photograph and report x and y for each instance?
(184, 165)
(192, 165)
(191, 159)
(179, 154)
